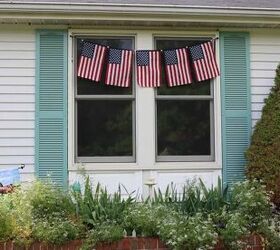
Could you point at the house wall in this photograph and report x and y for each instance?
(17, 100)
(265, 56)
(17, 105)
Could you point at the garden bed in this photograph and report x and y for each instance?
(94, 218)
(254, 242)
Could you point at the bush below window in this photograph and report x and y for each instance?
(196, 219)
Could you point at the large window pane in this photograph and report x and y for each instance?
(87, 87)
(105, 128)
(183, 128)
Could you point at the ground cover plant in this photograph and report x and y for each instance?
(195, 217)
(40, 212)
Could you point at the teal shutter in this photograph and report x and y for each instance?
(236, 109)
(51, 106)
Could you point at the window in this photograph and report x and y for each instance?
(174, 124)
(184, 116)
(105, 127)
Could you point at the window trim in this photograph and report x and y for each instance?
(145, 161)
(131, 97)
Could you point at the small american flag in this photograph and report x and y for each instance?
(148, 68)
(204, 61)
(177, 67)
(119, 67)
(91, 61)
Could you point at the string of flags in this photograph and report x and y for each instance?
(181, 65)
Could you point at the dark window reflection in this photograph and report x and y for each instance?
(179, 43)
(105, 128)
(201, 88)
(88, 87)
(183, 128)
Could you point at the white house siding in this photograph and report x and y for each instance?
(17, 99)
(265, 56)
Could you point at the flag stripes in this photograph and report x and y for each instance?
(204, 62)
(119, 68)
(148, 65)
(148, 68)
(91, 61)
(177, 67)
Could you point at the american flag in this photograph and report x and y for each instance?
(148, 68)
(204, 61)
(177, 67)
(91, 61)
(119, 67)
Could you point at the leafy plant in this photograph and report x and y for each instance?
(105, 232)
(142, 218)
(231, 228)
(271, 230)
(18, 215)
(263, 154)
(99, 206)
(194, 198)
(6, 222)
(250, 199)
(48, 200)
(56, 230)
(249, 211)
(183, 232)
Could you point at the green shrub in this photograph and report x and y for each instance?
(56, 230)
(264, 153)
(182, 232)
(250, 199)
(173, 227)
(48, 200)
(6, 222)
(144, 219)
(249, 211)
(271, 230)
(53, 214)
(19, 212)
(231, 227)
(105, 232)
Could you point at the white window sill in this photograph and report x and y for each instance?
(155, 166)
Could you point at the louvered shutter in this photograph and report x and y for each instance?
(236, 111)
(51, 109)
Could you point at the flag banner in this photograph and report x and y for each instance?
(149, 69)
(177, 67)
(9, 176)
(92, 61)
(204, 61)
(119, 68)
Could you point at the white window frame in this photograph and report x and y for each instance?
(145, 109)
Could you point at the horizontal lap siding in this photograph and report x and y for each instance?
(17, 100)
(265, 56)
